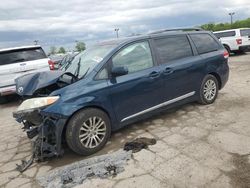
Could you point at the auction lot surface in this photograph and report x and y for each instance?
(197, 146)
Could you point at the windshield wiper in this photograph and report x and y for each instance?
(78, 68)
(65, 67)
(67, 64)
(85, 74)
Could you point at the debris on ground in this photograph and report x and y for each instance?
(35, 157)
(138, 144)
(25, 164)
(101, 166)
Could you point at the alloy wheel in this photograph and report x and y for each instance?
(209, 90)
(92, 132)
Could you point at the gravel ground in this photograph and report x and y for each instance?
(197, 146)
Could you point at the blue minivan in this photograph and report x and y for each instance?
(115, 83)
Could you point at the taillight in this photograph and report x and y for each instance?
(225, 54)
(51, 65)
(239, 41)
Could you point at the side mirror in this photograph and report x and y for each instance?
(119, 71)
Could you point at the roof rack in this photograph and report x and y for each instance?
(178, 29)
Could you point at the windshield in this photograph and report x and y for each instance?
(245, 32)
(86, 61)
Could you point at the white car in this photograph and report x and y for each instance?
(235, 40)
(15, 62)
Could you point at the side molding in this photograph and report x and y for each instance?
(160, 105)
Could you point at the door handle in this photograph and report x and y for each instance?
(168, 70)
(154, 74)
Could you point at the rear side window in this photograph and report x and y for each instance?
(204, 43)
(225, 34)
(21, 55)
(245, 32)
(172, 48)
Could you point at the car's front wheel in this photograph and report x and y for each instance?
(88, 131)
(209, 90)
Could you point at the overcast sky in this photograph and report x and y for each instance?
(60, 23)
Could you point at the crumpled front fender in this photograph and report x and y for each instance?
(65, 108)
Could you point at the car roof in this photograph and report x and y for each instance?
(160, 33)
(19, 48)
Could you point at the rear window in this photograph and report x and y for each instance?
(172, 48)
(245, 32)
(204, 43)
(225, 34)
(21, 55)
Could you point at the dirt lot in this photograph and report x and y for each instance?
(197, 146)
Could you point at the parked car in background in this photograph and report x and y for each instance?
(235, 40)
(116, 83)
(57, 58)
(15, 62)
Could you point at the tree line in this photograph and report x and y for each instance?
(80, 46)
(225, 26)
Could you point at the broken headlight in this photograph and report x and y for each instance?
(37, 103)
(28, 111)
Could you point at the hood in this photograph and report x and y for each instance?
(29, 84)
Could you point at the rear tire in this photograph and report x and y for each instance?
(88, 131)
(208, 90)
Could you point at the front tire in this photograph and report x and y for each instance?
(88, 131)
(209, 90)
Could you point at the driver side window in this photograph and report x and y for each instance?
(135, 57)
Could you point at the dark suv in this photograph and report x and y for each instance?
(116, 83)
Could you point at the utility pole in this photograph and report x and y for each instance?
(231, 16)
(117, 30)
(36, 42)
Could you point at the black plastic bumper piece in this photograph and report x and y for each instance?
(48, 141)
(245, 48)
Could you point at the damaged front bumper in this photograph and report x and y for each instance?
(45, 131)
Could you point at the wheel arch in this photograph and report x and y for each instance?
(217, 76)
(227, 46)
(83, 108)
(228, 49)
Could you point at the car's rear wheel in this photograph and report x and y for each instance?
(88, 131)
(209, 90)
